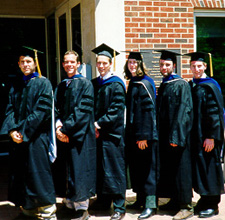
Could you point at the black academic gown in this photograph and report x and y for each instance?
(141, 125)
(29, 112)
(75, 166)
(208, 123)
(174, 108)
(109, 114)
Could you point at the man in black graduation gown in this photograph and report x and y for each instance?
(207, 137)
(174, 109)
(109, 93)
(28, 123)
(75, 166)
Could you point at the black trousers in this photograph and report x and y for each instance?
(117, 199)
(208, 202)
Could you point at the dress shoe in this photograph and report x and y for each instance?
(208, 213)
(117, 216)
(171, 205)
(183, 214)
(147, 213)
(136, 205)
(29, 212)
(68, 203)
(52, 217)
(81, 215)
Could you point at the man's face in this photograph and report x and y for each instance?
(27, 65)
(132, 66)
(166, 67)
(103, 65)
(198, 68)
(70, 64)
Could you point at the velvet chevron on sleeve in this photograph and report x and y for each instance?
(208, 123)
(175, 119)
(29, 112)
(109, 114)
(75, 167)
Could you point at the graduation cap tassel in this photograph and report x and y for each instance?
(210, 63)
(114, 64)
(38, 66)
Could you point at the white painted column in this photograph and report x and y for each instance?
(110, 28)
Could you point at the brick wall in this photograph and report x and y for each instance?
(159, 25)
(164, 24)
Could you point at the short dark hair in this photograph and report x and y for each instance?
(28, 56)
(74, 53)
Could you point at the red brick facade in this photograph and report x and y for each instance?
(164, 24)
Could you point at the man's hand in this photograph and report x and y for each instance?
(96, 133)
(208, 144)
(173, 145)
(16, 136)
(62, 137)
(142, 144)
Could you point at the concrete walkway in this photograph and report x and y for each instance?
(9, 212)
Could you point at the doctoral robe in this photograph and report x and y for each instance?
(75, 166)
(208, 123)
(29, 112)
(141, 125)
(175, 116)
(109, 114)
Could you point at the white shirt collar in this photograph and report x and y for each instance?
(108, 75)
(203, 76)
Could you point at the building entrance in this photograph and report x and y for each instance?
(15, 33)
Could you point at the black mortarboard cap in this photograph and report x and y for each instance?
(168, 55)
(105, 50)
(134, 55)
(27, 51)
(198, 56)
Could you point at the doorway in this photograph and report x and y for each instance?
(68, 33)
(15, 33)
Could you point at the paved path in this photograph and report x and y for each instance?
(9, 212)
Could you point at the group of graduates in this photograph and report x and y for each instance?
(164, 146)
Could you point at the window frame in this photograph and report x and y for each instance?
(204, 13)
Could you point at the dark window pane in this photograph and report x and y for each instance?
(211, 39)
(63, 41)
(52, 65)
(76, 29)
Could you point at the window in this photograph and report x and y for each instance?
(76, 30)
(210, 38)
(52, 65)
(68, 33)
